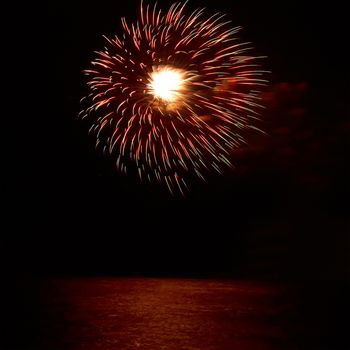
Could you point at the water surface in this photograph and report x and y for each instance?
(170, 313)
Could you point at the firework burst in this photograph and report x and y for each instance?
(170, 96)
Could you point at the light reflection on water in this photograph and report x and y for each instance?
(152, 314)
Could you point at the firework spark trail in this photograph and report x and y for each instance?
(170, 96)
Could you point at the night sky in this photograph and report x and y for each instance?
(282, 213)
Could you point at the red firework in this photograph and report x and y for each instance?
(170, 96)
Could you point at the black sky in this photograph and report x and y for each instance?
(282, 213)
